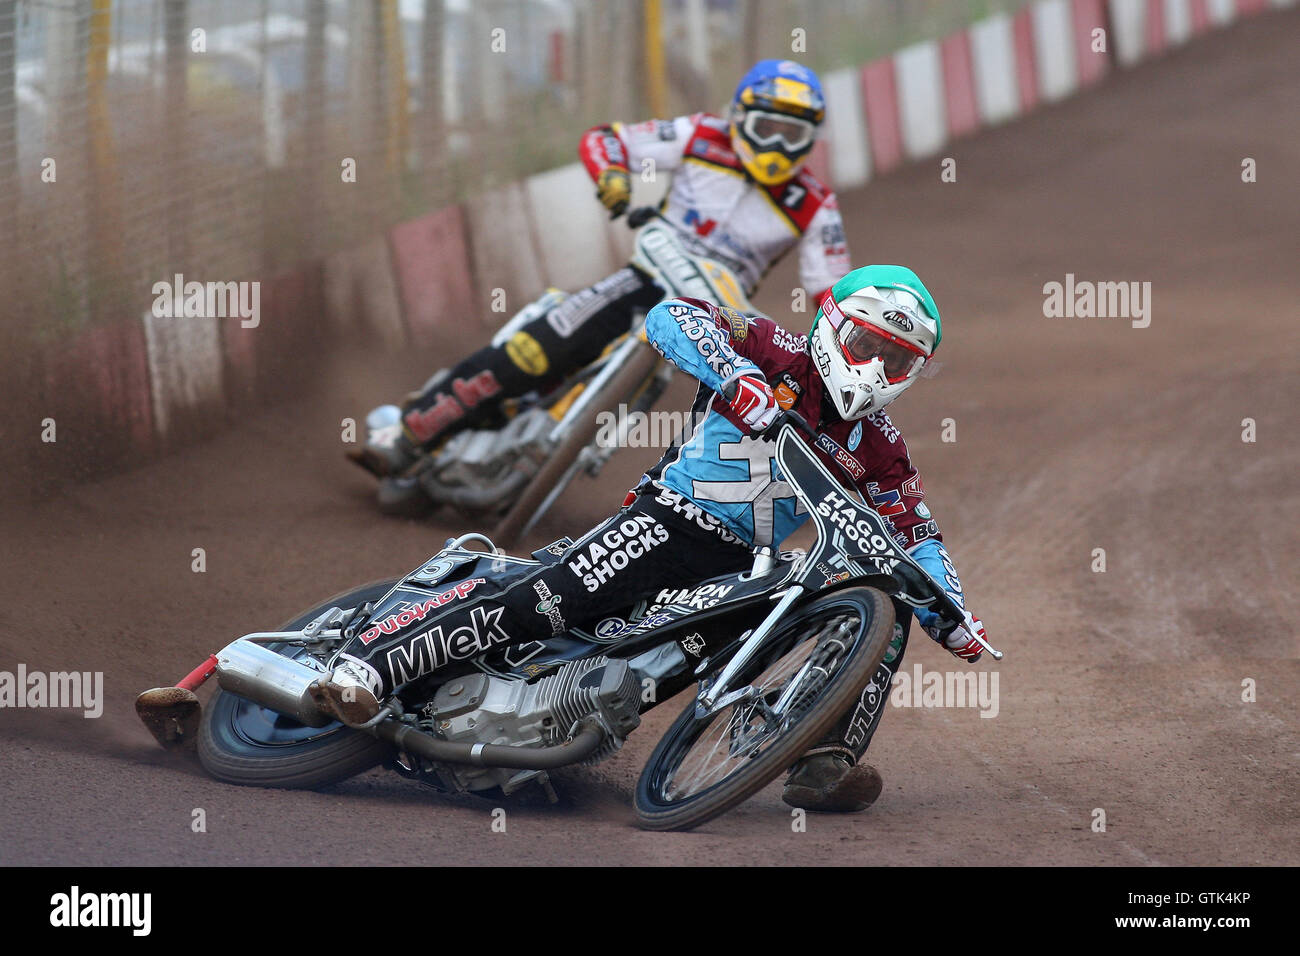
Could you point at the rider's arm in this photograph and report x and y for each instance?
(696, 337)
(611, 153)
(602, 148)
(933, 556)
(959, 639)
(894, 489)
(625, 147)
(823, 251)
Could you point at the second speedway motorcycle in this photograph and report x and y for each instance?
(779, 653)
(514, 472)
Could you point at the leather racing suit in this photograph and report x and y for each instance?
(698, 513)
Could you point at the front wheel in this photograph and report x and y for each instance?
(816, 666)
(246, 743)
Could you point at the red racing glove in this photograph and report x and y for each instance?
(752, 399)
(961, 642)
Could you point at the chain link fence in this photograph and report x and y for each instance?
(226, 140)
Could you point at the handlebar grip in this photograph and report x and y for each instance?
(789, 417)
(639, 216)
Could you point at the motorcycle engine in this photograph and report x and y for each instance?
(481, 708)
(481, 469)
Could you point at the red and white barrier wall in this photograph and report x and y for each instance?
(429, 280)
(909, 105)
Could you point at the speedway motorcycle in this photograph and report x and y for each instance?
(778, 652)
(513, 473)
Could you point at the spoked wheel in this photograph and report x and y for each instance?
(819, 661)
(242, 742)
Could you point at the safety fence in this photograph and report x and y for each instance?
(232, 138)
(374, 200)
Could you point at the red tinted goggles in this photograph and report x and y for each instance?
(861, 342)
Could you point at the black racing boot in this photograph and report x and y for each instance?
(830, 777)
(827, 782)
(403, 498)
(381, 461)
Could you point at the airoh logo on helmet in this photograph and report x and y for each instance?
(900, 320)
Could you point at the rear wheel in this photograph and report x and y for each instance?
(818, 662)
(245, 743)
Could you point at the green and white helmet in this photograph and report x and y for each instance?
(875, 329)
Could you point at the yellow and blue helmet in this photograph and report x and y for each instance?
(774, 118)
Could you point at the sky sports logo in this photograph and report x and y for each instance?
(78, 910)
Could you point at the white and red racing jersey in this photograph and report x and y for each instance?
(718, 209)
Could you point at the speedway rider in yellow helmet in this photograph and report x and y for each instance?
(740, 193)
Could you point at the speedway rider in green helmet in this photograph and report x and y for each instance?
(719, 493)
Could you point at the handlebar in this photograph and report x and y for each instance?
(638, 217)
(949, 609)
(789, 416)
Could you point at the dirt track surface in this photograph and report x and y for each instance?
(1120, 690)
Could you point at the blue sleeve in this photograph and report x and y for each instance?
(933, 557)
(688, 336)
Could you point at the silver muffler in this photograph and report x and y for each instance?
(259, 674)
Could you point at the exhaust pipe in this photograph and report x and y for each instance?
(261, 675)
(406, 737)
(272, 680)
(483, 498)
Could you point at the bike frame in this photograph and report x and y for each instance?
(853, 547)
(662, 255)
(856, 542)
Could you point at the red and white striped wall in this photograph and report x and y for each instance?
(429, 280)
(909, 105)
